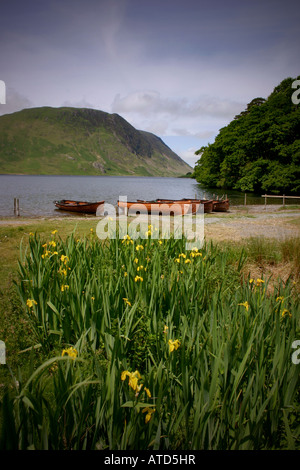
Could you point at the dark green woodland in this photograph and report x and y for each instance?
(260, 148)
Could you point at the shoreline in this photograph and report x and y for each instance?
(235, 210)
(238, 224)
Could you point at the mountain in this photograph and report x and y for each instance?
(81, 141)
(259, 150)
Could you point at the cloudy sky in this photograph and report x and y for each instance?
(181, 69)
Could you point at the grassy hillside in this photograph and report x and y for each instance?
(79, 141)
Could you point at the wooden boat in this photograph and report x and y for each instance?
(221, 205)
(83, 207)
(208, 204)
(157, 207)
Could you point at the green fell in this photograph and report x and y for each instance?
(81, 141)
(259, 149)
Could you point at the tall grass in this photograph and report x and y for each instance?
(163, 348)
(265, 251)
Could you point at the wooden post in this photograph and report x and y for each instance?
(16, 207)
(283, 200)
(265, 201)
(245, 200)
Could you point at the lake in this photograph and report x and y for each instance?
(36, 193)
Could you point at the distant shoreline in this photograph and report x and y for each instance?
(97, 176)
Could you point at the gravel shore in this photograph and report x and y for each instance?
(240, 222)
(253, 221)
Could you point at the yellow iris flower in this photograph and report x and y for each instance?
(149, 414)
(133, 379)
(71, 352)
(64, 259)
(30, 303)
(173, 345)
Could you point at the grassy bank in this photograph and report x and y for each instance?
(140, 344)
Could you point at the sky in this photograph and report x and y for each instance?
(181, 69)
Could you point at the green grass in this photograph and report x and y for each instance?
(230, 384)
(289, 207)
(272, 252)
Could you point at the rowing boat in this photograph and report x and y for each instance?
(208, 204)
(158, 207)
(83, 207)
(221, 205)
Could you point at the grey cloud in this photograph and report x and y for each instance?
(78, 104)
(199, 135)
(158, 127)
(215, 107)
(14, 102)
(148, 103)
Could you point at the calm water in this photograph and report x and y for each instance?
(37, 193)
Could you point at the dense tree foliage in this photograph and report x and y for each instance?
(259, 149)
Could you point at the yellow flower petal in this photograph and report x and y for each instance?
(71, 352)
(149, 412)
(173, 345)
(124, 374)
(245, 304)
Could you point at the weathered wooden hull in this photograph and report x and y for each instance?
(83, 207)
(194, 204)
(221, 206)
(157, 207)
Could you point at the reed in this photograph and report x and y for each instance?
(150, 346)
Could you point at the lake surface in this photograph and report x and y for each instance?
(37, 193)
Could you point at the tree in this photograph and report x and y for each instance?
(259, 149)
